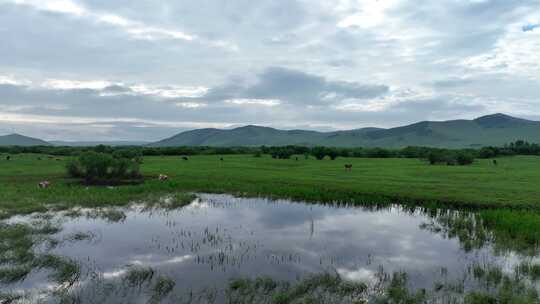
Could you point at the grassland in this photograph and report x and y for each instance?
(506, 195)
(511, 184)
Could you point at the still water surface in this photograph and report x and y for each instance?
(219, 237)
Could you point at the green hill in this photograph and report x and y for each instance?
(496, 130)
(20, 140)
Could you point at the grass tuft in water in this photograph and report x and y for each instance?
(65, 271)
(162, 287)
(322, 288)
(9, 298)
(14, 274)
(529, 270)
(137, 276)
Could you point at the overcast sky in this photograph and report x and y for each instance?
(146, 69)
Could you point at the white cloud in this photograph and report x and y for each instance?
(163, 91)
(259, 102)
(57, 6)
(169, 91)
(515, 53)
(64, 84)
(368, 13)
(10, 80)
(136, 29)
(192, 105)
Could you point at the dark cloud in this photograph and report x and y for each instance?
(296, 87)
(452, 83)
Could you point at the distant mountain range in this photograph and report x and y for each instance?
(495, 130)
(97, 143)
(22, 141)
(492, 130)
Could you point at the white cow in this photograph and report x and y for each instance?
(163, 177)
(44, 184)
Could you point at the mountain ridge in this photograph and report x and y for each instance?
(21, 140)
(494, 129)
(489, 130)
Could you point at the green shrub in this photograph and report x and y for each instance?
(464, 158)
(94, 166)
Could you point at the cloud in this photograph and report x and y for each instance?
(295, 87)
(129, 69)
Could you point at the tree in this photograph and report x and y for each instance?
(464, 158)
(332, 153)
(319, 152)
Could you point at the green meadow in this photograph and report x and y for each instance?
(513, 183)
(504, 199)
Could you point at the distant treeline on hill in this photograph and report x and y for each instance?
(519, 147)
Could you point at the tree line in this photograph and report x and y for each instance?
(432, 155)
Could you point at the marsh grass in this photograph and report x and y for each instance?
(506, 230)
(9, 275)
(529, 270)
(65, 270)
(110, 214)
(80, 236)
(19, 257)
(393, 289)
(321, 288)
(136, 276)
(9, 298)
(161, 289)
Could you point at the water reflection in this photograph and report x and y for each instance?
(219, 237)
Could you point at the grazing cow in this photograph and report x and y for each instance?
(221, 159)
(39, 158)
(348, 167)
(8, 157)
(494, 162)
(58, 159)
(163, 177)
(297, 159)
(185, 158)
(44, 184)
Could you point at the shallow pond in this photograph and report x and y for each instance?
(204, 245)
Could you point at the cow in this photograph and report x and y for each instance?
(44, 184)
(494, 162)
(185, 158)
(8, 157)
(221, 159)
(348, 167)
(163, 177)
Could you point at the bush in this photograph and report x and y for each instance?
(94, 166)
(450, 158)
(438, 157)
(464, 159)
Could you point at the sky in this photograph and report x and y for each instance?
(146, 69)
